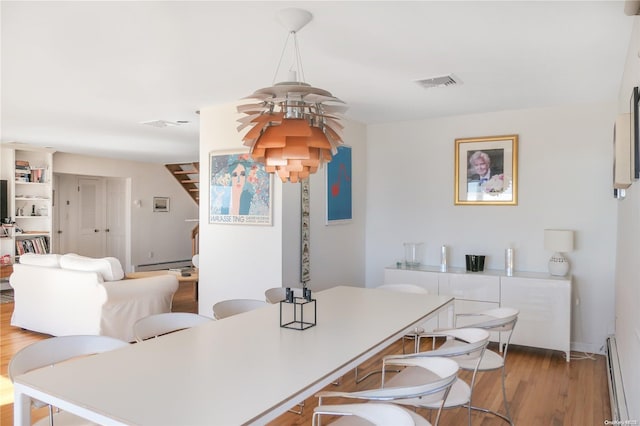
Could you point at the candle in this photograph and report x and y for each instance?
(443, 258)
(508, 261)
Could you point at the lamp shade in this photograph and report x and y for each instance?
(294, 128)
(558, 240)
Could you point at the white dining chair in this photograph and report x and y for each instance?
(470, 345)
(379, 414)
(503, 321)
(230, 307)
(156, 325)
(51, 351)
(438, 375)
(278, 294)
(413, 335)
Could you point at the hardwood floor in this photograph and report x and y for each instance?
(542, 388)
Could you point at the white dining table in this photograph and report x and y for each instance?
(243, 369)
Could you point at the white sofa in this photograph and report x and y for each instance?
(69, 294)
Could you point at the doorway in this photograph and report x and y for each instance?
(90, 216)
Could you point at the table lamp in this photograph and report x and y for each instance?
(558, 241)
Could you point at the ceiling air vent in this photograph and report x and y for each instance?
(442, 81)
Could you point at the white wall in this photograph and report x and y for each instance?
(565, 167)
(338, 250)
(627, 284)
(242, 261)
(236, 261)
(166, 235)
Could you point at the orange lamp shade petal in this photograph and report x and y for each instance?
(296, 148)
(292, 127)
(295, 166)
(318, 139)
(270, 140)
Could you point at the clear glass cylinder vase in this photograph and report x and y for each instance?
(412, 254)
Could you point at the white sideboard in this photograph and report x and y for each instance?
(544, 301)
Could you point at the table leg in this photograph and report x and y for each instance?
(21, 408)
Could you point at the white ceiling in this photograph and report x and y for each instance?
(80, 76)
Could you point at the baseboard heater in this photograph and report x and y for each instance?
(619, 409)
(163, 265)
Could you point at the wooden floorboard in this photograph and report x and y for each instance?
(542, 388)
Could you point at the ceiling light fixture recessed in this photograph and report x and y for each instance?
(164, 123)
(441, 81)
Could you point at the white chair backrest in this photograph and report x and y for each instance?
(376, 414)
(405, 288)
(227, 308)
(445, 372)
(469, 341)
(278, 294)
(160, 324)
(498, 319)
(57, 349)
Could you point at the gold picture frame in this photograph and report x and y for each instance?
(486, 171)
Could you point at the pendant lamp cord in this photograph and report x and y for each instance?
(297, 59)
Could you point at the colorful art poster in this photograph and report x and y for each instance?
(339, 187)
(240, 190)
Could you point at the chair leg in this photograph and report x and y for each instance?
(506, 417)
(298, 412)
(504, 396)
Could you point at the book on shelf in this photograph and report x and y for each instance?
(22, 165)
(36, 175)
(37, 245)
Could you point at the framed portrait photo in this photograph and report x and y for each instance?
(486, 171)
(240, 190)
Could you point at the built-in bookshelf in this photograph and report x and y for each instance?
(28, 227)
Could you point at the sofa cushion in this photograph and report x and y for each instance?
(47, 260)
(108, 268)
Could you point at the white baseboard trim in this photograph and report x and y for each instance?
(619, 408)
(588, 348)
(163, 265)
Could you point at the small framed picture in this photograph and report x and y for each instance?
(160, 204)
(486, 171)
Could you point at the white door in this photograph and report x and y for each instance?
(91, 217)
(64, 213)
(115, 228)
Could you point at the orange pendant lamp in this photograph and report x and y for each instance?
(294, 128)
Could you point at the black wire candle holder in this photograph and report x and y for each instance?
(298, 313)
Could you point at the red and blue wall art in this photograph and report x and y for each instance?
(339, 186)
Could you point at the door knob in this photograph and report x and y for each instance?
(96, 230)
